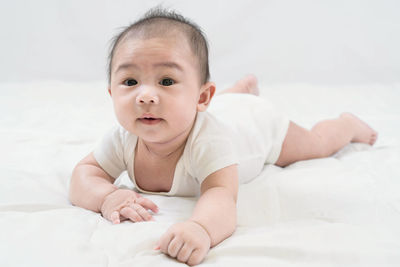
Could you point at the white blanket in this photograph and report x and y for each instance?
(337, 211)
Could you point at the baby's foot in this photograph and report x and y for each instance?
(246, 85)
(363, 133)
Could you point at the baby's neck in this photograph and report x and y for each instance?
(161, 151)
(157, 151)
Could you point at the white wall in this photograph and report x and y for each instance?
(320, 42)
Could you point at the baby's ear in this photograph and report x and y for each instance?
(206, 93)
(109, 91)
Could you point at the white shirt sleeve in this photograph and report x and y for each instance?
(109, 152)
(210, 148)
(211, 156)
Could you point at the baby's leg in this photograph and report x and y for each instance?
(324, 139)
(246, 85)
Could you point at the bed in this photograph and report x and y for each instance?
(338, 211)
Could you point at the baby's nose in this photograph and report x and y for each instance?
(147, 95)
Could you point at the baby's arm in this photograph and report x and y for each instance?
(216, 208)
(90, 184)
(213, 219)
(93, 189)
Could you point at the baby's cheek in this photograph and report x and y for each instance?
(125, 117)
(185, 118)
(120, 114)
(124, 108)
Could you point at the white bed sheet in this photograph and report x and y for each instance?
(338, 211)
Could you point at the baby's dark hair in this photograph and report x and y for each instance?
(158, 22)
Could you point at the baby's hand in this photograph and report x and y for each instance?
(187, 241)
(124, 204)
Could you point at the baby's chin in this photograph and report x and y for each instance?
(156, 136)
(162, 140)
(144, 129)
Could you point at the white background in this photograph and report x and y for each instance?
(315, 42)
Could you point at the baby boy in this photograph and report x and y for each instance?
(170, 145)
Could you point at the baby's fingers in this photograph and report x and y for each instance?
(147, 204)
(115, 217)
(142, 212)
(136, 213)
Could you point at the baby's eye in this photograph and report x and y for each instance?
(130, 82)
(167, 82)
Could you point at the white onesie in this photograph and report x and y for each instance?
(236, 129)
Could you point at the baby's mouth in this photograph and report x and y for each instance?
(150, 120)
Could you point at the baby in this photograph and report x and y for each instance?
(170, 145)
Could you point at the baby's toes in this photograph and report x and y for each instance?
(373, 139)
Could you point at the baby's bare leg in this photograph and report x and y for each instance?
(324, 139)
(246, 85)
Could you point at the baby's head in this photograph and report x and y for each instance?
(158, 22)
(158, 76)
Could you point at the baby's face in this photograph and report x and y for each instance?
(155, 87)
